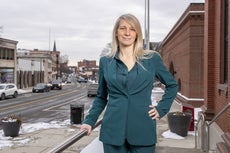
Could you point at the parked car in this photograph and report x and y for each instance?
(41, 87)
(69, 80)
(8, 89)
(56, 84)
(92, 89)
(81, 79)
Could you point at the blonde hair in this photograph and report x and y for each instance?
(138, 50)
(138, 44)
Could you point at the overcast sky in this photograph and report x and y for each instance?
(81, 28)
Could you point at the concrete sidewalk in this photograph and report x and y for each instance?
(42, 141)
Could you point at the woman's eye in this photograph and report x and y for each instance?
(132, 29)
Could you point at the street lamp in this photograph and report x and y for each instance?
(146, 40)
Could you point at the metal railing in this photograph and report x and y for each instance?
(208, 124)
(213, 120)
(64, 145)
(201, 118)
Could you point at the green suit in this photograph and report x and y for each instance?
(126, 115)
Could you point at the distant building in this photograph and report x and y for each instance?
(8, 61)
(37, 66)
(55, 55)
(88, 69)
(33, 69)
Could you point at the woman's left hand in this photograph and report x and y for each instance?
(153, 113)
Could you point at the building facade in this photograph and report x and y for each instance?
(33, 69)
(37, 66)
(182, 52)
(216, 66)
(88, 69)
(196, 51)
(55, 56)
(8, 61)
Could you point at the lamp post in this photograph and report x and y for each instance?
(146, 40)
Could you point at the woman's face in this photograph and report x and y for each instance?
(126, 34)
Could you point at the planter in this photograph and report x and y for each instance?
(11, 128)
(179, 122)
(11, 125)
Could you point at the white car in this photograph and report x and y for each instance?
(92, 89)
(8, 89)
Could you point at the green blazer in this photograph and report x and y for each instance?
(126, 115)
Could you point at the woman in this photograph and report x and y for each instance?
(126, 79)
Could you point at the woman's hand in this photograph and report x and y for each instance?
(153, 113)
(86, 127)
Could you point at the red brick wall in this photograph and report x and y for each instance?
(215, 93)
(87, 63)
(183, 47)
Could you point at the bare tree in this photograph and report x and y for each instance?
(106, 50)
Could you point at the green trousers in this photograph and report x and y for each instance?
(127, 148)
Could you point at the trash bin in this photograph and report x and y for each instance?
(179, 122)
(76, 113)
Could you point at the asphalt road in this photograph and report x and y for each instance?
(48, 106)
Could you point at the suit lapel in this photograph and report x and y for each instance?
(138, 84)
(140, 81)
(112, 73)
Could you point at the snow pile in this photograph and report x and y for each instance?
(28, 128)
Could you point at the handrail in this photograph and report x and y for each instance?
(61, 147)
(213, 120)
(201, 117)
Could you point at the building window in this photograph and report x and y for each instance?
(6, 54)
(224, 46)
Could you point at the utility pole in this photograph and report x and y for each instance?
(49, 38)
(146, 41)
(1, 30)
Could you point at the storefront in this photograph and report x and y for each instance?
(6, 75)
(8, 61)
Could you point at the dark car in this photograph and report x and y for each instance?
(92, 89)
(41, 87)
(56, 84)
(82, 80)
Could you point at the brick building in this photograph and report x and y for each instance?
(88, 69)
(86, 64)
(216, 64)
(196, 51)
(182, 52)
(217, 60)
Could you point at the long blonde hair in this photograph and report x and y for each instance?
(138, 44)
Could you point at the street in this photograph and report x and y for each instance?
(47, 106)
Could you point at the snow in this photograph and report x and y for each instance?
(170, 135)
(6, 141)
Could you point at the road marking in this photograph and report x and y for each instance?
(31, 102)
(49, 109)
